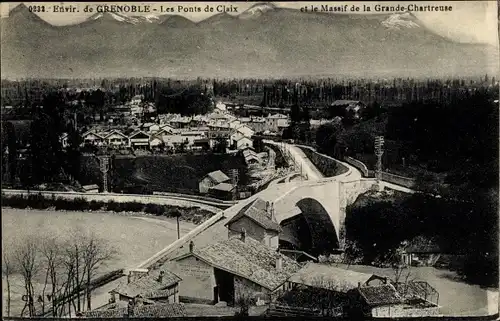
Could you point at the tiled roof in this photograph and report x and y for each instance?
(257, 213)
(150, 310)
(343, 102)
(226, 187)
(218, 176)
(148, 284)
(384, 294)
(250, 259)
(329, 277)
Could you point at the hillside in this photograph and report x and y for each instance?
(263, 41)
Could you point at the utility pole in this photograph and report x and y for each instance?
(379, 151)
(104, 164)
(235, 179)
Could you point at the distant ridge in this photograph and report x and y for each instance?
(262, 41)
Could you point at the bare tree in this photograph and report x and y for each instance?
(8, 269)
(95, 253)
(51, 250)
(27, 259)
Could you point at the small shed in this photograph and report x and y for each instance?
(224, 191)
(212, 179)
(94, 188)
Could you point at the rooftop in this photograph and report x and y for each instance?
(329, 277)
(248, 259)
(226, 187)
(218, 176)
(344, 102)
(147, 285)
(257, 213)
(151, 310)
(384, 294)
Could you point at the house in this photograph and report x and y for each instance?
(251, 158)
(94, 188)
(322, 287)
(243, 142)
(139, 140)
(272, 122)
(231, 269)
(167, 128)
(259, 221)
(158, 285)
(350, 106)
(388, 301)
(138, 308)
(173, 140)
(235, 136)
(156, 142)
(421, 252)
(224, 191)
(245, 130)
(116, 139)
(154, 128)
(93, 139)
(212, 179)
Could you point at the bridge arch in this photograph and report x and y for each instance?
(324, 236)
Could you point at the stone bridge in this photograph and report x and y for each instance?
(312, 215)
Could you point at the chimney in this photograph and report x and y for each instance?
(191, 247)
(130, 308)
(160, 277)
(279, 261)
(243, 235)
(129, 277)
(359, 285)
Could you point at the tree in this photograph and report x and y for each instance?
(27, 259)
(8, 269)
(12, 150)
(220, 145)
(51, 250)
(95, 253)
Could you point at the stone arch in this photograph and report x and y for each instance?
(324, 235)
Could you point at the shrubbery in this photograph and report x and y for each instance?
(39, 201)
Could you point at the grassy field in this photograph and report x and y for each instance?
(135, 238)
(176, 173)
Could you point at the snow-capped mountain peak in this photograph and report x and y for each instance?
(115, 16)
(400, 20)
(257, 10)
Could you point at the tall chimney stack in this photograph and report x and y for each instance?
(160, 277)
(191, 247)
(243, 235)
(279, 261)
(129, 277)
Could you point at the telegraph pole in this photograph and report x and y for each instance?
(379, 151)
(104, 164)
(235, 179)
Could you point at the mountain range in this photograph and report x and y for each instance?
(263, 41)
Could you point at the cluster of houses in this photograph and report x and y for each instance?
(194, 132)
(250, 266)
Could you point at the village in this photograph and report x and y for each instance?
(250, 274)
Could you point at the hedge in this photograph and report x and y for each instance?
(41, 202)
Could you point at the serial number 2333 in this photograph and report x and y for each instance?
(36, 8)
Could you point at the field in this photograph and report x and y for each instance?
(176, 173)
(135, 238)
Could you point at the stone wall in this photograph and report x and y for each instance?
(198, 279)
(404, 311)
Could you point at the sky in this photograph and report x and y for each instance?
(469, 21)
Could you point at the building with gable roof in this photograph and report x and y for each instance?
(212, 179)
(259, 222)
(228, 270)
(158, 285)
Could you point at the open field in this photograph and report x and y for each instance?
(135, 238)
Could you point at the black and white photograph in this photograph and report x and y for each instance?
(250, 159)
